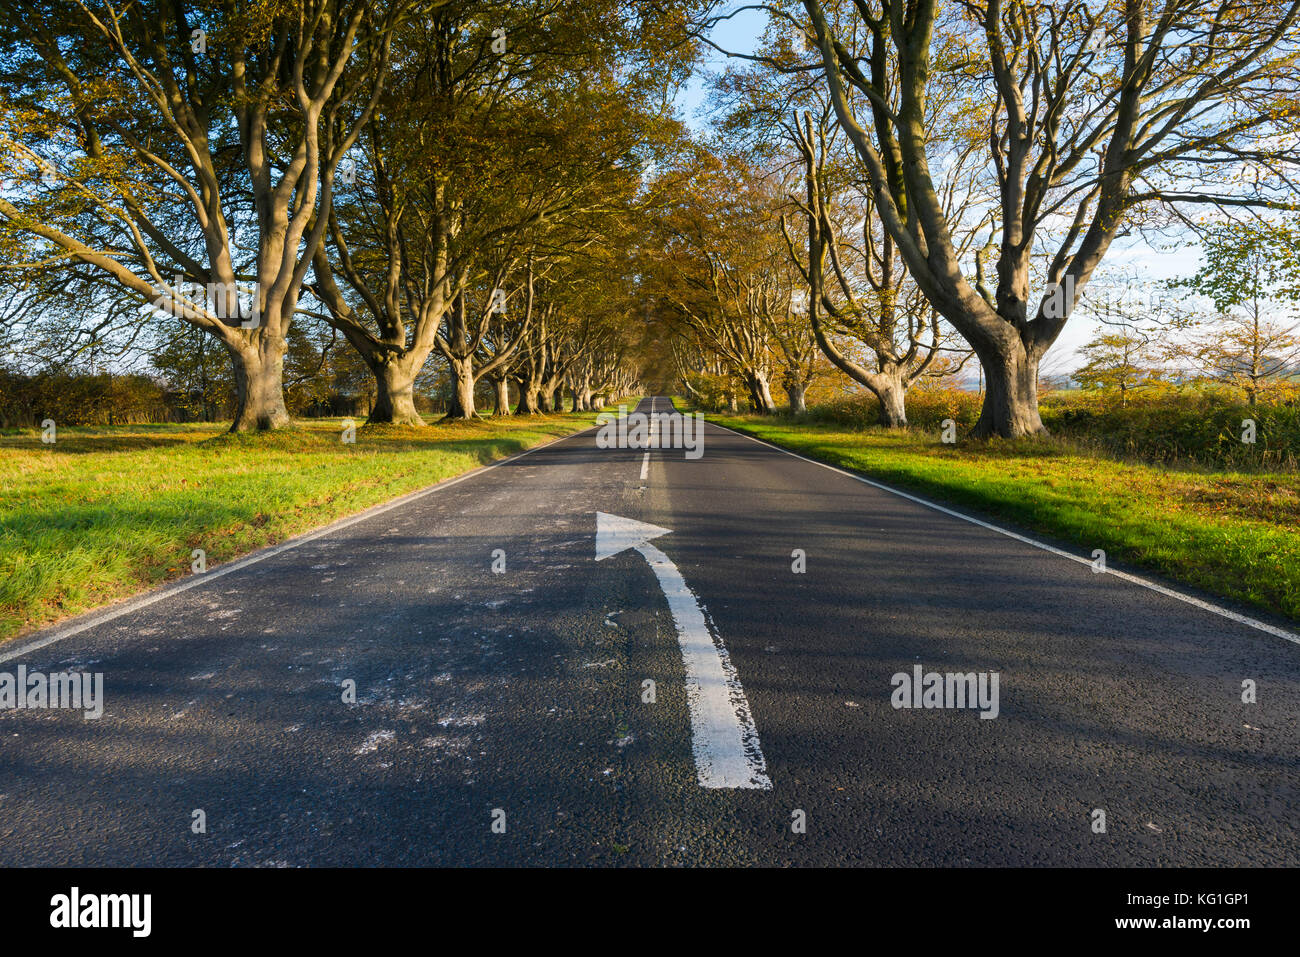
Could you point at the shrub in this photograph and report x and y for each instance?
(1202, 424)
(927, 407)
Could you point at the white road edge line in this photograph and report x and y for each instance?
(166, 591)
(1134, 579)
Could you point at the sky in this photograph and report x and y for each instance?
(739, 35)
(1133, 254)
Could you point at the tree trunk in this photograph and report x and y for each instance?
(395, 393)
(259, 387)
(761, 393)
(893, 408)
(501, 388)
(528, 404)
(795, 392)
(462, 373)
(1010, 396)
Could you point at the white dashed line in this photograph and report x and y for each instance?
(645, 461)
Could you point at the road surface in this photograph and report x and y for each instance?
(500, 715)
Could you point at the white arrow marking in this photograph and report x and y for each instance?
(616, 534)
(723, 736)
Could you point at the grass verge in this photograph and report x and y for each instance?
(1231, 534)
(110, 511)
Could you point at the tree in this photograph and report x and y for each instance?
(179, 146)
(1091, 115)
(876, 305)
(1251, 274)
(797, 349)
(507, 128)
(1117, 360)
(1135, 344)
(866, 316)
(722, 271)
(192, 363)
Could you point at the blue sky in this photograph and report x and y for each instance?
(740, 35)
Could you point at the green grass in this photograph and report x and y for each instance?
(1232, 534)
(109, 511)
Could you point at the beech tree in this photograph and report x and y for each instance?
(504, 126)
(722, 271)
(703, 375)
(615, 326)
(176, 150)
(1095, 114)
(568, 339)
(866, 316)
(860, 290)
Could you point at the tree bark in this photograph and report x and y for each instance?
(395, 392)
(893, 406)
(501, 401)
(528, 399)
(796, 392)
(462, 374)
(259, 386)
(1010, 395)
(761, 393)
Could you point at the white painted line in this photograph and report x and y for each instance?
(645, 461)
(723, 736)
(95, 619)
(1133, 579)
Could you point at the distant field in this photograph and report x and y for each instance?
(1233, 534)
(109, 511)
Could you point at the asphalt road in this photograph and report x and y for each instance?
(521, 692)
